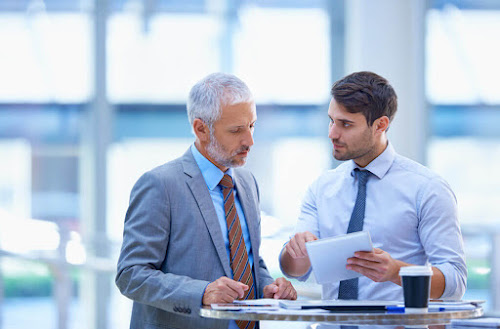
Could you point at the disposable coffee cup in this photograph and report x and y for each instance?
(416, 282)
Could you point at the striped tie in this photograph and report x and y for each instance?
(242, 271)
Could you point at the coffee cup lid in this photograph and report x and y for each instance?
(415, 270)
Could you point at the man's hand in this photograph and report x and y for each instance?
(377, 265)
(296, 247)
(281, 288)
(223, 290)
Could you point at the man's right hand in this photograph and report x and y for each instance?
(296, 247)
(224, 290)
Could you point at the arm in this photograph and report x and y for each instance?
(294, 260)
(146, 236)
(145, 246)
(441, 237)
(379, 266)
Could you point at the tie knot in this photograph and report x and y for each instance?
(226, 181)
(362, 176)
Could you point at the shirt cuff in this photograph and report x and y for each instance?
(453, 289)
(203, 294)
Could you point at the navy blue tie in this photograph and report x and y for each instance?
(348, 289)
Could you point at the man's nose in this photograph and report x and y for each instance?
(333, 132)
(248, 139)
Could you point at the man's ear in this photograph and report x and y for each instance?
(201, 130)
(381, 124)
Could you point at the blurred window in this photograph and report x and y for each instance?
(284, 54)
(159, 60)
(462, 86)
(462, 56)
(45, 57)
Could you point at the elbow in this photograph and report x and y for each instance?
(461, 286)
(455, 279)
(124, 282)
(120, 282)
(457, 289)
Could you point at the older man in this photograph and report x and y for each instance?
(192, 230)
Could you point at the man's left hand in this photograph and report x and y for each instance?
(281, 288)
(377, 265)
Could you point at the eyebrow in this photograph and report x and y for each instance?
(243, 126)
(341, 120)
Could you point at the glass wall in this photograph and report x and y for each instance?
(462, 87)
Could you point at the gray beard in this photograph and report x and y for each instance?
(218, 154)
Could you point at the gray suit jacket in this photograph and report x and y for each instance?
(173, 246)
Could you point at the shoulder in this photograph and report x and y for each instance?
(167, 169)
(412, 168)
(332, 176)
(419, 175)
(246, 176)
(165, 174)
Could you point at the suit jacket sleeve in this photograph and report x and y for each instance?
(145, 245)
(264, 277)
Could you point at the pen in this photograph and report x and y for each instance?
(395, 309)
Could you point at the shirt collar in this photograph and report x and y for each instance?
(381, 164)
(210, 172)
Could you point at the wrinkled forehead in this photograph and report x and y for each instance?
(243, 113)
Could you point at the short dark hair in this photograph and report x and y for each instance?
(368, 93)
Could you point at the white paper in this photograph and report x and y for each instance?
(476, 323)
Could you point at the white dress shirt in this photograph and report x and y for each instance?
(411, 213)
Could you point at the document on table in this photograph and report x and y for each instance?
(263, 305)
(475, 323)
(329, 256)
(344, 305)
(453, 305)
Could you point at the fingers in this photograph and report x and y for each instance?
(378, 265)
(224, 290)
(377, 255)
(270, 290)
(293, 249)
(234, 287)
(285, 289)
(286, 292)
(362, 263)
(368, 272)
(296, 247)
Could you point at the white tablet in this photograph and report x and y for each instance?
(329, 256)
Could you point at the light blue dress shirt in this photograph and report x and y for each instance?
(411, 213)
(213, 176)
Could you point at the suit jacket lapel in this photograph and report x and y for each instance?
(200, 192)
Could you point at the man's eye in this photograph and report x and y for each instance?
(346, 124)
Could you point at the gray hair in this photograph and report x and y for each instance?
(210, 94)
